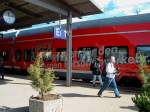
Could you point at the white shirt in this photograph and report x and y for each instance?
(110, 70)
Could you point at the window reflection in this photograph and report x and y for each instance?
(143, 50)
(46, 54)
(61, 55)
(18, 55)
(86, 55)
(120, 53)
(29, 55)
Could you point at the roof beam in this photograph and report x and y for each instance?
(97, 4)
(68, 7)
(21, 5)
(48, 6)
(26, 11)
(26, 22)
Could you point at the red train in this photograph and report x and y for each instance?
(124, 37)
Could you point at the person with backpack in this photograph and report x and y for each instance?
(96, 71)
(111, 72)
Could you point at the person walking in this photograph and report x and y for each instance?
(2, 68)
(111, 72)
(96, 71)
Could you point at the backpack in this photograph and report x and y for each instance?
(96, 69)
(92, 66)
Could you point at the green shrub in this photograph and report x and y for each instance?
(41, 78)
(142, 99)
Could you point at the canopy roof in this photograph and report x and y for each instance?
(29, 12)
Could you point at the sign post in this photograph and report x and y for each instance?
(69, 49)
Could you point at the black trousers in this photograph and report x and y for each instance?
(2, 72)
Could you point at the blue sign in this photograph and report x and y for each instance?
(59, 32)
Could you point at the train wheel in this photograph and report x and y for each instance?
(86, 80)
(62, 78)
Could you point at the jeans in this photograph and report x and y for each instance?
(107, 83)
(99, 78)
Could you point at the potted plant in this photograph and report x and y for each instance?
(142, 98)
(42, 81)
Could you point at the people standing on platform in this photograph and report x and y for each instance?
(111, 72)
(2, 68)
(96, 71)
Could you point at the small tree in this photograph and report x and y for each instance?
(144, 71)
(142, 99)
(41, 78)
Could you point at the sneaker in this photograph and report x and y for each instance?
(99, 95)
(117, 96)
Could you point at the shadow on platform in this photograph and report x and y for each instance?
(76, 95)
(108, 97)
(8, 81)
(20, 109)
(4, 81)
(130, 108)
(25, 77)
(123, 90)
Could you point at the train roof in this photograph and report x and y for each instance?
(134, 19)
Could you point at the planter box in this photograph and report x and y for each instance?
(55, 105)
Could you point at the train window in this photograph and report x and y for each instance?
(86, 55)
(120, 52)
(46, 54)
(33, 54)
(1, 35)
(5, 55)
(61, 55)
(29, 54)
(143, 50)
(18, 55)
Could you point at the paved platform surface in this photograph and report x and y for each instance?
(81, 97)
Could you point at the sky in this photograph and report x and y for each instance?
(110, 8)
(117, 8)
(114, 8)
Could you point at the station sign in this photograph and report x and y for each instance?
(59, 32)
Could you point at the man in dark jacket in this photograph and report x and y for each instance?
(2, 68)
(95, 68)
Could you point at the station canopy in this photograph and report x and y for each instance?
(30, 12)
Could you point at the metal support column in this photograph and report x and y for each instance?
(69, 48)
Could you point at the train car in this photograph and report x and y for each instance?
(124, 37)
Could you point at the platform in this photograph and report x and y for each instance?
(81, 97)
